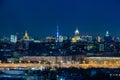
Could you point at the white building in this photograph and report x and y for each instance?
(13, 38)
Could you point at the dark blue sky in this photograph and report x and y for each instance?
(40, 17)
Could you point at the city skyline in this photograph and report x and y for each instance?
(38, 17)
(57, 34)
(59, 39)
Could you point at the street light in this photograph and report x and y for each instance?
(0, 61)
(19, 61)
(9, 61)
(28, 61)
(61, 61)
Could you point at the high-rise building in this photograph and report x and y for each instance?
(50, 39)
(61, 38)
(107, 34)
(77, 32)
(99, 39)
(26, 40)
(107, 37)
(86, 38)
(117, 39)
(76, 36)
(13, 38)
(26, 36)
(101, 47)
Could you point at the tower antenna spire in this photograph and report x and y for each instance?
(57, 34)
(107, 34)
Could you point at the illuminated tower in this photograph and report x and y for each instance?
(57, 34)
(26, 39)
(77, 32)
(107, 37)
(76, 36)
(26, 36)
(107, 34)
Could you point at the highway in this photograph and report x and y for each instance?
(85, 66)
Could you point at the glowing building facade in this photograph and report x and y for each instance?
(76, 37)
(99, 39)
(107, 34)
(13, 38)
(107, 37)
(26, 36)
(86, 38)
(26, 39)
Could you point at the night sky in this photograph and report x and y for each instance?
(40, 17)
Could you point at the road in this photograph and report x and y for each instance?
(85, 66)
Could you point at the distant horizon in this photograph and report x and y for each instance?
(22, 34)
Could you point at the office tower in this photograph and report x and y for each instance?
(99, 39)
(13, 38)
